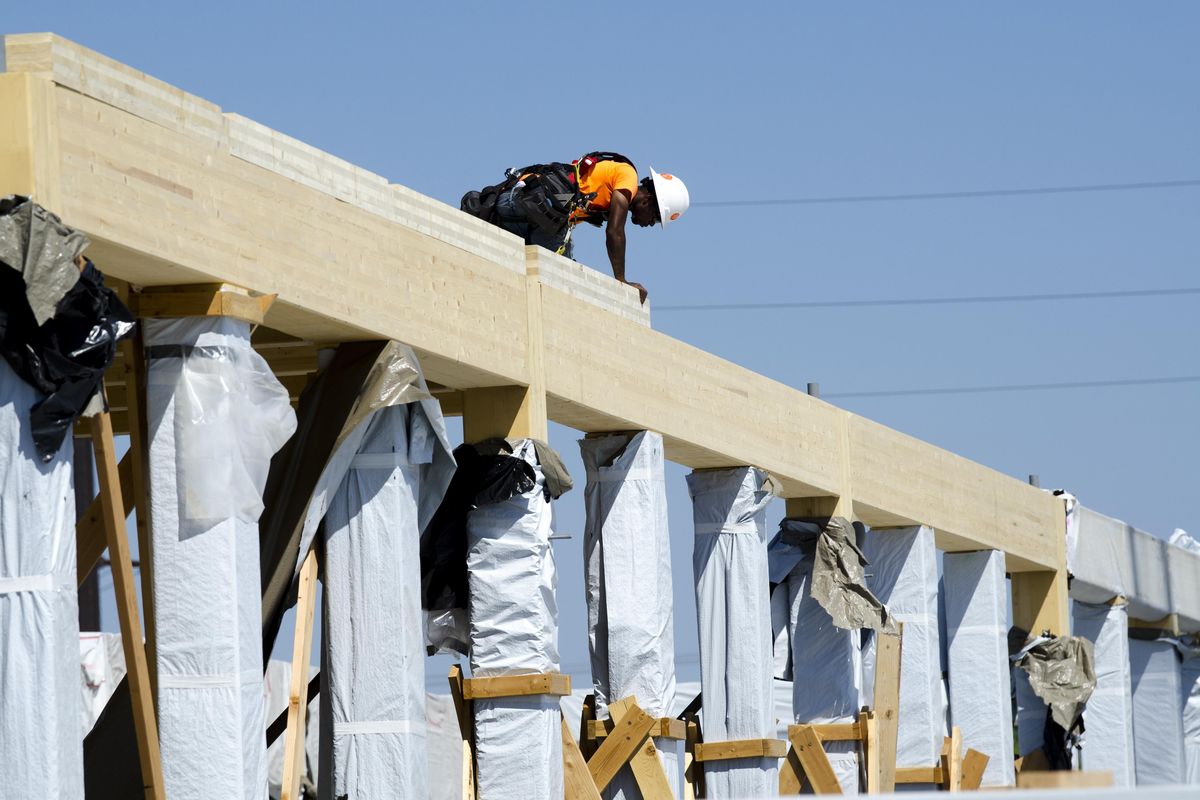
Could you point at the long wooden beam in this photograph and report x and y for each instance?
(173, 191)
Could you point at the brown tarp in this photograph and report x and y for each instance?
(839, 581)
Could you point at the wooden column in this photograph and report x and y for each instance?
(293, 740)
(144, 721)
(1039, 599)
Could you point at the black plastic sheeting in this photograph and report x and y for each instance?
(64, 357)
(487, 473)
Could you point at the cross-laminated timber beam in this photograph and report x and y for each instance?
(172, 191)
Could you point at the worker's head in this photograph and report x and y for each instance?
(643, 209)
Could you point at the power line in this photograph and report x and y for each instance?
(1022, 387)
(885, 198)
(933, 301)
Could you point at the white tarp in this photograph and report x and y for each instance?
(976, 598)
(1108, 718)
(627, 572)
(1190, 673)
(903, 574)
(734, 615)
(102, 659)
(1031, 714)
(826, 661)
(514, 630)
(40, 745)
(1157, 712)
(373, 681)
(216, 416)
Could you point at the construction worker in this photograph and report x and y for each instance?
(543, 203)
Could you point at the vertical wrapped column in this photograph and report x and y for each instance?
(216, 416)
(826, 660)
(903, 574)
(734, 615)
(1190, 672)
(373, 678)
(976, 600)
(1158, 750)
(627, 565)
(1108, 718)
(514, 630)
(40, 744)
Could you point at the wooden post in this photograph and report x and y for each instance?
(577, 781)
(466, 729)
(973, 765)
(811, 754)
(293, 741)
(1039, 599)
(693, 773)
(887, 711)
(91, 529)
(647, 769)
(871, 750)
(133, 356)
(141, 696)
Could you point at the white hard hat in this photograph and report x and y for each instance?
(672, 195)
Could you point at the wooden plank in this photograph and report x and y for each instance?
(813, 759)
(293, 742)
(647, 769)
(552, 683)
(90, 533)
(1065, 779)
(845, 732)
(973, 765)
(577, 781)
(952, 763)
(500, 411)
(665, 728)
(871, 750)
(741, 748)
(466, 728)
(693, 773)
(919, 775)
(791, 774)
(887, 708)
(133, 366)
(620, 745)
(202, 300)
(145, 724)
(587, 719)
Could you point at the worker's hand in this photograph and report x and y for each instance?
(642, 293)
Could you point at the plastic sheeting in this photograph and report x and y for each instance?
(373, 680)
(514, 630)
(103, 666)
(216, 416)
(734, 615)
(826, 661)
(1108, 718)
(39, 616)
(1158, 749)
(1190, 674)
(976, 597)
(903, 574)
(627, 576)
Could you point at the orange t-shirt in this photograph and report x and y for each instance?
(604, 179)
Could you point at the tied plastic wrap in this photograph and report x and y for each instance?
(1190, 672)
(1062, 673)
(839, 581)
(1108, 719)
(59, 325)
(218, 389)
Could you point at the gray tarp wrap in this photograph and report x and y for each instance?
(40, 714)
(826, 660)
(627, 576)
(216, 416)
(734, 616)
(1108, 718)
(37, 244)
(1158, 750)
(976, 598)
(904, 577)
(373, 656)
(839, 582)
(1190, 673)
(1062, 673)
(514, 630)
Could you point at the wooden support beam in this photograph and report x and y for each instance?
(693, 773)
(665, 728)
(145, 724)
(886, 712)
(791, 774)
(846, 732)
(1039, 599)
(577, 781)
(466, 728)
(552, 683)
(293, 742)
(1168, 624)
(620, 745)
(647, 769)
(91, 536)
(1065, 779)
(811, 754)
(951, 761)
(587, 718)
(202, 300)
(741, 748)
(973, 765)
(906, 775)
(871, 750)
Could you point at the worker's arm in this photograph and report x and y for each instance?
(614, 238)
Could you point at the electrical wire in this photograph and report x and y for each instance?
(933, 301)
(1019, 387)
(886, 198)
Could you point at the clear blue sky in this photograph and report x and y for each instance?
(781, 100)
